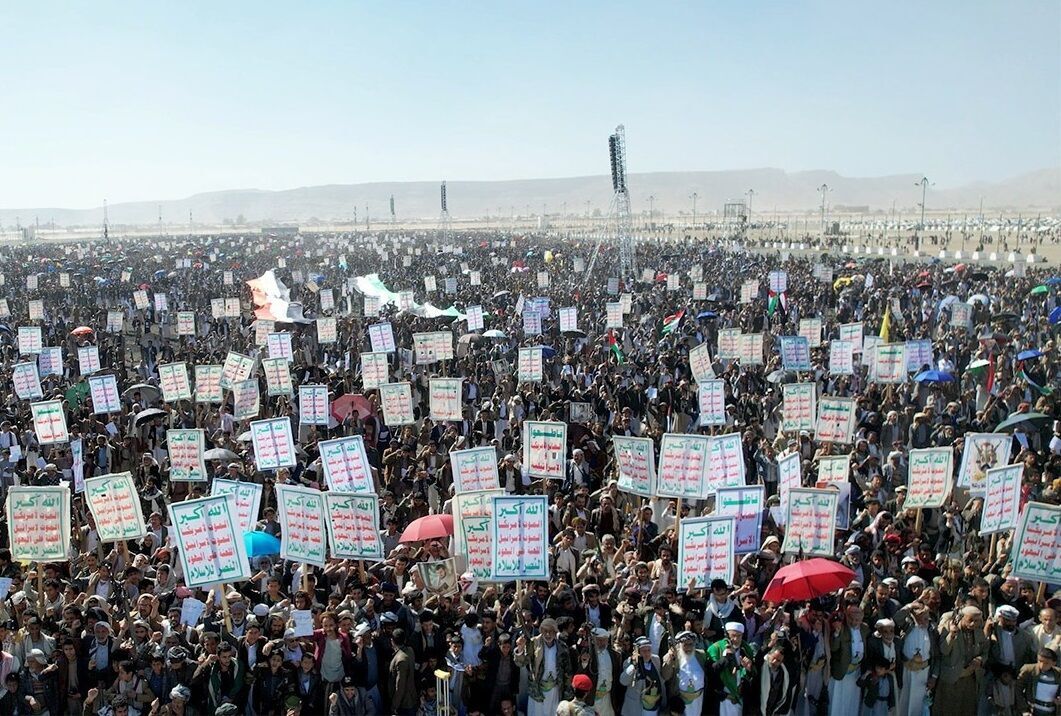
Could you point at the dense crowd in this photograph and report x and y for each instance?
(932, 621)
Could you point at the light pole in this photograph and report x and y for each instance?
(924, 184)
(824, 188)
(651, 207)
(750, 193)
(694, 196)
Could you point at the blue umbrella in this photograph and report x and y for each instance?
(1053, 281)
(260, 544)
(548, 352)
(1028, 355)
(1055, 316)
(933, 376)
(707, 314)
(159, 274)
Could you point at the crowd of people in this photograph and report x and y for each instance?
(933, 620)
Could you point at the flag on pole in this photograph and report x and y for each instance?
(671, 322)
(886, 326)
(777, 300)
(613, 345)
(1041, 389)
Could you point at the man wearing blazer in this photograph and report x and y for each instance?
(602, 664)
(548, 663)
(848, 647)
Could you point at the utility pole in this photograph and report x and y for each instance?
(824, 188)
(651, 207)
(750, 193)
(924, 184)
(694, 196)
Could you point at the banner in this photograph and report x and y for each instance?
(302, 516)
(327, 330)
(345, 465)
(789, 475)
(683, 466)
(115, 321)
(30, 340)
(38, 523)
(799, 403)
(699, 291)
(208, 384)
(529, 368)
(1001, 499)
(811, 329)
(745, 505)
(474, 469)
(173, 379)
(397, 402)
(211, 539)
(185, 323)
(750, 349)
(748, 291)
(520, 547)
(636, 462)
(50, 362)
(889, 366)
(705, 551)
(473, 529)
(852, 332)
(88, 360)
(246, 401)
(237, 367)
(475, 318)
(248, 497)
(930, 476)
(353, 526)
(140, 300)
(613, 314)
(795, 353)
(729, 340)
(374, 370)
(545, 449)
(444, 399)
(961, 315)
(277, 377)
(919, 355)
(568, 319)
(532, 323)
(313, 405)
(725, 463)
(232, 308)
(274, 446)
(1036, 552)
(778, 281)
(27, 382)
(161, 303)
(700, 363)
(841, 357)
(980, 453)
(49, 422)
(114, 503)
(711, 395)
(432, 347)
(185, 448)
(381, 336)
(103, 390)
(279, 346)
(810, 521)
(836, 420)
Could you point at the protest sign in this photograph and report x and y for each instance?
(919, 356)
(700, 364)
(1001, 499)
(795, 353)
(279, 345)
(750, 348)
(186, 461)
(327, 299)
(140, 300)
(529, 368)
(103, 390)
(711, 396)
(274, 446)
(444, 399)
(834, 468)
(381, 336)
(208, 384)
(397, 402)
(50, 362)
(27, 382)
(725, 462)
(248, 496)
(929, 478)
(30, 340)
(173, 379)
(327, 330)
(88, 360)
(432, 347)
(748, 291)
(374, 370)
(811, 329)
(614, 314)
(161, 303)
(353, 526)
(191, 611)
(38, 523)
(475, 318)
(980, 453)
(789, 475)
(836, 420)
(778, 281)
(302, 517)
(115, 321)
(810, 522)
(579, 412)
(636, 462)
(745, 505)
(699, 291)
(798, 407)
(277, 377)
(1036, 551)
(474, 469)
(520, 545)
(889, 366)
(545, 449)
(114, 503)
(961, 315)
(568, 319)
(841, 357)
(852, 332)
(49, 422)
(211, 538)
(185, 323)
(345, 465)
(472, 529)
(236, 367)
(705, 551)
(683, 466)
(232, 308)
(532, 323)
(246, 401)
(728, 344)
(313, 405)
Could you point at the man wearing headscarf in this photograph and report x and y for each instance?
(642, 676)
(919, 648)
(963, 651)
(548, 663)
(685, 671)
(732, 663)
(882, 649)
(848, 647)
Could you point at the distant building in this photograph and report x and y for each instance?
(280, 231)
(845, 209)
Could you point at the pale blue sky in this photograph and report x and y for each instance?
(140, 101)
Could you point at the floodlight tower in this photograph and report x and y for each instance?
(620, 209)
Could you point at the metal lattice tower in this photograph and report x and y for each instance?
(443, 219)
(619, 210)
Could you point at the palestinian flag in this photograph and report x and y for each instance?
(670, 323)
(1041, 389)
(777, 301)
(613, 346)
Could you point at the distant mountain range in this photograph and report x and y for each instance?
(774, 189)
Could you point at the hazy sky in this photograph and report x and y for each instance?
(140, 101)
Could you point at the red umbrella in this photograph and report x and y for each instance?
(346, 404)
(430, 527)
(81, 331)
(807, 579)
